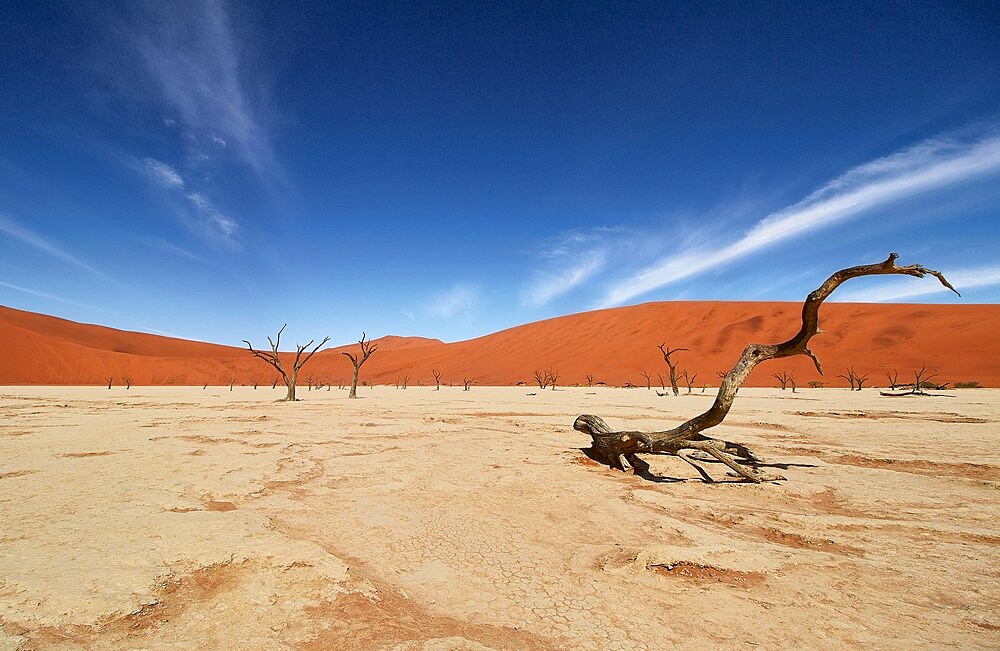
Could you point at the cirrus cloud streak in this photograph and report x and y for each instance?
(930, 165)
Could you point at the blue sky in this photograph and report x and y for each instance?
(213, 170)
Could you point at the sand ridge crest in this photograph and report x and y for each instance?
(618, 345)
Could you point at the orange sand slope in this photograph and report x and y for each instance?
(614, 345)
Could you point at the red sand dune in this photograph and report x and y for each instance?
(615, 345)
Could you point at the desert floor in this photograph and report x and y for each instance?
(182, 518)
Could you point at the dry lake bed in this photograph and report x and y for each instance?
(190, 518)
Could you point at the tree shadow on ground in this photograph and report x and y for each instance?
(642, 468)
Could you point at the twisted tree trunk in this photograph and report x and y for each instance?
(367, 348)
(273, 358)
(667, 352)
(619, 449)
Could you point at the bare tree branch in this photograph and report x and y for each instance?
(367, 348)
(274, 359)
(667, 352)
(619, 449)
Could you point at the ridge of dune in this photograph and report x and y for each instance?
(386, 343)
(614, 345)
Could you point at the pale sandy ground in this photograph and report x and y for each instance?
(183, 518)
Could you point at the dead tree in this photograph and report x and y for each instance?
(782, 379)
(541, 377)
(644, 373)
(893, 378)
(921, 381)
(232, 381)
(856, 379)
(667, 352)
(791, 380)
(110, 380)
(128, 381)
(254, 382)
(590, 379)
(553, 376)
(689, 379)
(620, 449)
(274, 382)
(274, 359)
(367, 348)
(920, 377)
(467, 382)
(310, 380)
(437, 379)
(403, 381)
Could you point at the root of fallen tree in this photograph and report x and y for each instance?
(620, 449)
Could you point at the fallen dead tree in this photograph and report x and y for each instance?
(620, 449)
(921, 382)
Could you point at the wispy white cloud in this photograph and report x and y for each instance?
(41, 243)
(207, 218)
(556, 282)
(219, 223)
(568, 261)
(190, 51)
(461, 299)
(50, 297)
(173, 248)
(162, 174)
(899, 289)
(927, 166)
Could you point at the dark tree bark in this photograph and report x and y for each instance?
(920, 377)
(590, 379)
(856, 379)
(437, 379)
(667, 352)
(920, 381)
(467, 382)
(110, 380)
(689, 379)
(272, 358)
(649, 383)
(367, 348)
(620, 449)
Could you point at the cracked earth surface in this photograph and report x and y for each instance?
(182, 518)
